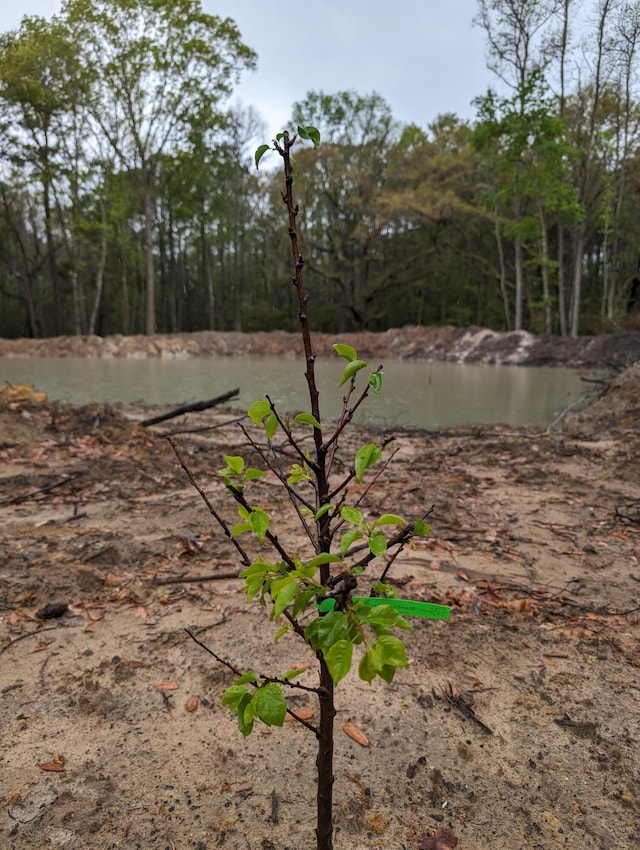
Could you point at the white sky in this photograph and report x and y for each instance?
(423, 56)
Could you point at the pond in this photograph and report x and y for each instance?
(419, 394)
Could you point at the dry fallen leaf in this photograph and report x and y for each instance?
(192, 703)
(303, 714)
(356, 734)
(55, 766)
(441, 839)
(168, 685)
(301, 665)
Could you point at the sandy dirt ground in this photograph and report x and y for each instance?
(516, 725)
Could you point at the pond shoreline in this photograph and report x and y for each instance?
(465, 345)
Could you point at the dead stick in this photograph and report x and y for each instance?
(192, 579)
(188, 408)
(27, 635)
(26, 496)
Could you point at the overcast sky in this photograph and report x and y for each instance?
(423, 56)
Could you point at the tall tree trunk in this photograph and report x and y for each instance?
(546, 290)
(150, 325)
(26, 277)
(503, 274)
(324, 760)
(52, 261)
(576, 289)
(562, 297)
(99, 275)
(207, 277)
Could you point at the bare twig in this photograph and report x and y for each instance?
(246, 560)
(15, 500)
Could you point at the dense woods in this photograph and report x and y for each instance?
(129, 202)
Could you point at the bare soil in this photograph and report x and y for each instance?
(515, 726)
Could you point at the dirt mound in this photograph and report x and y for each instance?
(615, 409)
(471, 345)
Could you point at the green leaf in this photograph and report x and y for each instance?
(249, 676)
(365, 458)
(293, 674)
(255, 577)
(298, 474)
(234, 695)
(308, 419)
(270, 705)
(347, 351)
(378, 544)
(282, 631)
(387, 672)
(351, 370)
(384, 616)
(258, 410)
(282, 592)
(252, 474)
(260, 152)
(392, 651)
(338, 659)
(387, 591)
(235, 464)
(271, 425)
(351, 515)
(421, 528)
(322, 511)
(240, 528)
(323, 558)
(259, 523)
(326, 630)
(349, 539)
(366, 669)
(389, 519)
(309, 133)
(375, 382)
(302, 600)
(246, 714)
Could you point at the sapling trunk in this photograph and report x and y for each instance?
(324, 759)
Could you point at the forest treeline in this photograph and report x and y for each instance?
(130, 203)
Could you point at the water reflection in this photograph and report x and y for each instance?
(421, 394)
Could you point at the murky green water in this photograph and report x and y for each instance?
(426, 395)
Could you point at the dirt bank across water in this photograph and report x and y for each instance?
(470, 345)
(514, 726)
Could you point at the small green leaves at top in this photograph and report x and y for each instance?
(375, 382)
(365, 458)
(258, 410)
(421, 528)
(311, 134)
(351, 369)
(235, 475)
(389, 519)
(377, 544)
(347, 352)
(308, 419)
(260, 152)
(261, 411)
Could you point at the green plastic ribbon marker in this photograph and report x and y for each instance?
(405, 607)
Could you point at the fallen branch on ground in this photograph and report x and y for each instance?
(190, 408)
